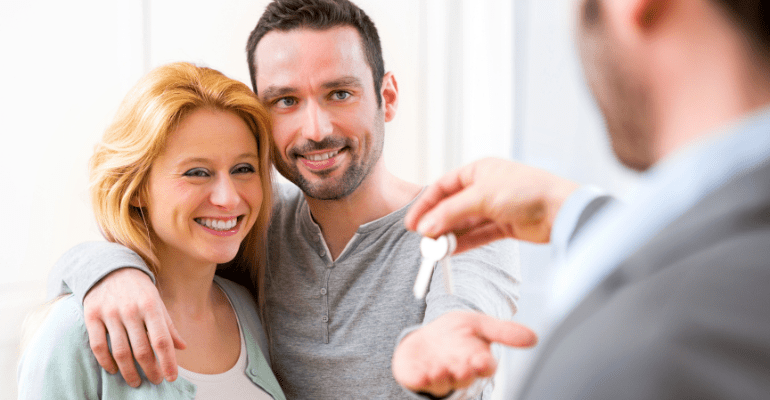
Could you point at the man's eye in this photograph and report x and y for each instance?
(340, 95)
(243, 169)
(197, 173)
(285, 102)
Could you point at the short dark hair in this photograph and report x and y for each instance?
(285, 15)
(753, 16)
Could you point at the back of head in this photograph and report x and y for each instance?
(150, 112)
(286, 15)
(753, 16)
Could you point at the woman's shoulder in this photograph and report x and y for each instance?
(236, 292)
(57, 352)
(55, 325)
(242, 301)
(246, 309)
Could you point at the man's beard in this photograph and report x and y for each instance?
(330, 188)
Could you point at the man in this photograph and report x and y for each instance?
(340, 264)
(673, 300)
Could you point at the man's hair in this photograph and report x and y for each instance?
(148, 115)
(753, 16)
(286, 15)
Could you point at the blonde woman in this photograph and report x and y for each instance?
(182, 177)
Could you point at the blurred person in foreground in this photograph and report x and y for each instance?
(665, 297)
(181, 177)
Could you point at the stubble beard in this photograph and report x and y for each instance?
(328, 188)
(620, 95)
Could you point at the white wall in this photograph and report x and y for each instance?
(476, 78)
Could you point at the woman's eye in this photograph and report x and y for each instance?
(197, 173)
(243, 169)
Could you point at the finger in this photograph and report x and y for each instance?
(508, 333)
(483, 364)
(463, 374)
(121, 352)
(159, 328)
(441, 382)
(446, 186)
(179, 342)
(480, 235)
(97, 338)
(450, 214)
(143, 353)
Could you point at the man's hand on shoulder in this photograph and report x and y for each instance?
(126, 304)
(453, 351)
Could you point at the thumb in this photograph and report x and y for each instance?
(507, 333)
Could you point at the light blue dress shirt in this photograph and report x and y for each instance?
(664, 193)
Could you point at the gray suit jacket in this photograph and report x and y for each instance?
(685, 317)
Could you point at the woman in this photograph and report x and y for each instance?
(182, 177)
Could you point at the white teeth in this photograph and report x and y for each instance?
(218, 224)
(322, 156)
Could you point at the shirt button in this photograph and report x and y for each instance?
(322, 253)
(323, 291)
(325, 319)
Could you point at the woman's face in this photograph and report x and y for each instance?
(204, 189)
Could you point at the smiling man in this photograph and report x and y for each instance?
(340, 263)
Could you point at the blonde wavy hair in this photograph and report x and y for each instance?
(151, 111)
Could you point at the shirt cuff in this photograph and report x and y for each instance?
(575, 211)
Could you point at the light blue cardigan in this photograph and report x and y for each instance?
(58, 362)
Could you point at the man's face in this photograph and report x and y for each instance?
(327, 127)
(616, 82)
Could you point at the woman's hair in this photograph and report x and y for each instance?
(151, 111)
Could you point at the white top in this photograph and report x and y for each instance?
(232, 384)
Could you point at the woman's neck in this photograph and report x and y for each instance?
(202, 315)
(186, 286)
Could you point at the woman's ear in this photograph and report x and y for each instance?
(136, 200)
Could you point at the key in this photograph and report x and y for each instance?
(433, 251)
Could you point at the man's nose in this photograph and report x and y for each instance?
(317, 124)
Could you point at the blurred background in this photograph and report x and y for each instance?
(477, 78)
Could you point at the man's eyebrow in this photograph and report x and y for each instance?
(272, 92)
(345, 81)
(277, 91)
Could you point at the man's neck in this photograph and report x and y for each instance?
(380, 194)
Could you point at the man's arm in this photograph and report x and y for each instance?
(483, 202)
(119, 297)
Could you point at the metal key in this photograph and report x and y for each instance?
(433, 251)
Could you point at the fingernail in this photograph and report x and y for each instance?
(171, 378)
(134, 384)
(426, 227)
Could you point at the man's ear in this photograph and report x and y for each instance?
(649, 13)
(389, 93)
